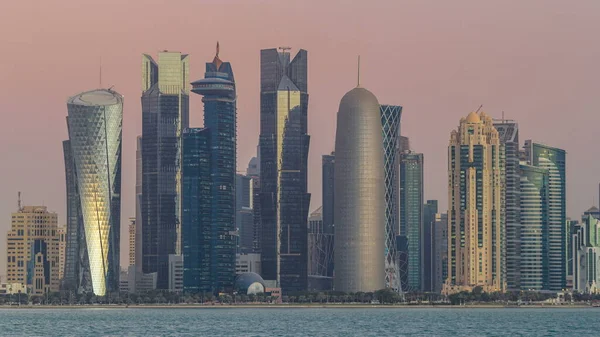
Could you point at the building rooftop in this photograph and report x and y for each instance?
(473, 117)
(96, 97)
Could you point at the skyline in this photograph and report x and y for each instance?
(509, 58)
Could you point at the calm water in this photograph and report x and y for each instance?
(300, 322)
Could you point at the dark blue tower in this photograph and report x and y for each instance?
(209, 169)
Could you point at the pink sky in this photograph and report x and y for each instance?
(537, 60)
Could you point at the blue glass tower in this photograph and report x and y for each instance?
(209, 171)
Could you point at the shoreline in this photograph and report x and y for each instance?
(301, 306)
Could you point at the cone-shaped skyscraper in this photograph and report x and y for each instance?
(359, 209)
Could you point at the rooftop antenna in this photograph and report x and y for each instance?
(100, 72)
(217, 48)
(19, 200)
(358, 80)
(481, 106)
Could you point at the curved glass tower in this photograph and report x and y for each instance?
(359, 209)
(95, 121)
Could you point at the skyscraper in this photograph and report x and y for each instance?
(430, 209)
(586, 252)
(533, 250)
(328, 168)
(95, 122)
(284, 143)
(253, 171)
(411, 218)
(359, 214)
(244, 217)
(32, 250)
(554, 160)
(62, 245)
(390, 126)
(132, 228)
(320, 253)
(475, 215)
(165, 114)
(440, 252)
(508, 132)
(209, 182)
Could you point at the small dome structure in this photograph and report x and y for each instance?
(249, 283)
(473, 117)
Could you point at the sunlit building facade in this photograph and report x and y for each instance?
(165, 114)
(476, 214)
(586, 255)
(284, 143)
(33, 250)
(95, 123)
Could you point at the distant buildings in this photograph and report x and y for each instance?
(586, 256)
(62, 245)
(359, 211)
(553, 160)
(132, 231)
(328, 171)
(248, 263)
(165, 114)
(411, 220)
(284, 142)
(439, 252)
(320, 253)
(430, 209)
(476, 214)
(93, 172)
(209, 182)
(244, 217)
(390, 126)
(33, 250)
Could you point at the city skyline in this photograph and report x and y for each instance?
(408, 85)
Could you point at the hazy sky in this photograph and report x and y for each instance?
(536, 60)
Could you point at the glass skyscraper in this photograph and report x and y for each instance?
(209, 182)
(390, 126)
(508, 131)
(328, 167)
(411, 218)
(284, 143)
(554, 160)
(430, 209)
(165, 114)
(95, 123)
(533, 268)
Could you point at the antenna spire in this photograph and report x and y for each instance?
(100, 72)
(19, 200)
(358, 82)
(217, 48)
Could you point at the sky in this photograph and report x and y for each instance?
(535, 60)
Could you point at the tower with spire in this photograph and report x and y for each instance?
(208, 176)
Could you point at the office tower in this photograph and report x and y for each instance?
(570, 229)
(554, 160)
(440, 252)
(253, 171)
(411, 218)
(95, 122)
(476, 214)
(32, 249)
(165, 114)
(284, 143)
(403, 144)
(359, 210)
(175, 273)
(320, 253)
(533, 231)
(76, 273)
(244, 218)
(586, 252)
(328, 168)
(209, 182)
(430, 209)
(62, 245)
(138, 206)
(508, 132)
(592, 211)
(390, 127)
(132, 228)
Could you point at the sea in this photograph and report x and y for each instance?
(301, 322)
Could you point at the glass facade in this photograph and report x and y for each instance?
(244, 219)
(534, 228)
(554, 160)
(430, 209)
(508, 132)
(328, 166)
(284, 143)
(165, 114)
(411, 217)
(210, 262)
(95, 123)
(390, 126)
